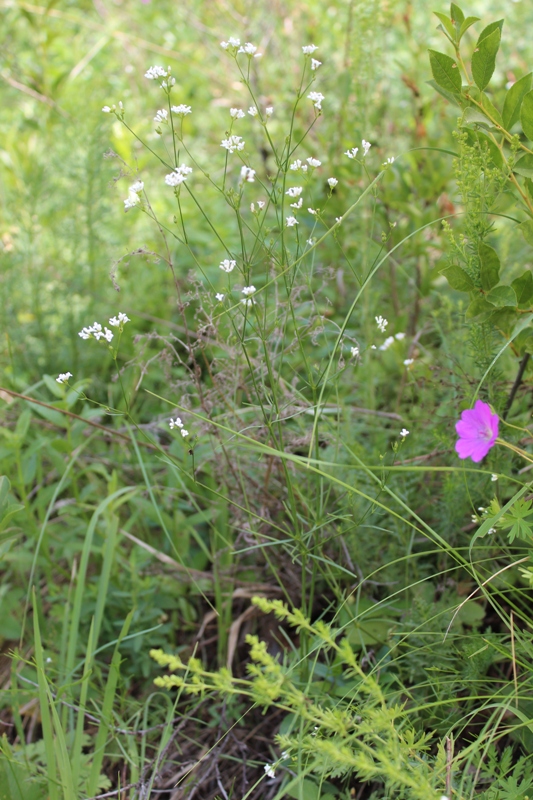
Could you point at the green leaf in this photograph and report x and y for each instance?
(458, 278)
(513, 101)
(451, 98)
(445, 71)
(523, 287)
(524, 166)
(457, 15)
(447, 25)
(490, 109)
(517, 520)
(526, 115)
(479, 306)
(527, 231)
(489, 265)
(492, 26)
(502, 296)
(473, 116)
(484, 59)
(466, 25)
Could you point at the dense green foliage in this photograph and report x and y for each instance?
(330, 603)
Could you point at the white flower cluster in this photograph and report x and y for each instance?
(247, 174)
(153, 73)
(294, 191)
(354, 150)
(109, 109)
(95, 331)
(248, 299)
(133, 199)
(309, 49)
(234, 46)
(161, 116)
(253, 112)
(317, 98)
(388, 162)
(390, 340)
(181, 110)
(237, 113)
(291, 222)
(270, 771)
(63, 377)
(177, 423)
(332, 182)
(315, 64)
(178, 176)
(381, 323)
(233, 143)
(354, 351)
(219, 296)
(299, 166)
(248, 290)
(260, 206)
(404, 432)
(227, 265)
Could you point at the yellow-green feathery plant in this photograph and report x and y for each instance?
(356, 731)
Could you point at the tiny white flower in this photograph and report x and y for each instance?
(219, 296)
(175, 423)
(400, 336)
(269, 110)
(248, 301)
(253, 111)
(366, 147)
(309, 48)
(298, 204)
(237, 113)
(133, 198)
(123, 317)
(408, 361)
(108, 335)
(317, 98)
(404, 432)
(387, 343)
(120, 319)
(491, 530)
(315, 64)
(233, 143)
(181, 110)
(261, 204)
(291, 221)
(373, 347)
(311, 242)
(474, 518)
(314, 162)
(63, 377)
(161, 115)
(227, 265)
(494, 477)
(270, 771)
(285, 755)
(249, 49)
(481, 509)
(296, 165)
(247, 174)
(338, 220)
(106, 110)
(332, 182)
(248, 290)
(155, 72)
(184, 432)
(294, 191)
(232, 42)
(389, 161)
(352, 153)
(354, 351)
(179, 175)
(381, 323)
(312, 211)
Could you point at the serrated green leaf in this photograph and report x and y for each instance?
(484, 59)
(492, 26)
(458, 278)
(526, 229)
(502, 296)
(469, 21)
(513, 101)
(445, 71)
(489, 265)
(526, 115)
(447, 25)
(523, 287)
(479, 306)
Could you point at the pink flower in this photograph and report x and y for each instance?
(477, 430)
